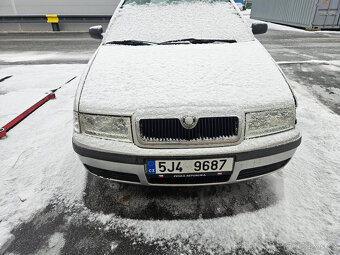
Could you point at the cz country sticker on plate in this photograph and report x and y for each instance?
(197, 166)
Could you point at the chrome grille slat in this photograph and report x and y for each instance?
(171, 130)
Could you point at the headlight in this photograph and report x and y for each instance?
(116, 128)
(269, 122)
(76, 122)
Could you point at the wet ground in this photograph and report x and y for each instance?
(71, 229)
(311, 59)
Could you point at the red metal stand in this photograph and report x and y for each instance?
(23, 115)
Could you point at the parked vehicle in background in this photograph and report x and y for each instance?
(240, 4)
(162, 102)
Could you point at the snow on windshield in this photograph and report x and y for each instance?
(163, 22)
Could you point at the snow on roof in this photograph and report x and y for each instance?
(163, 22)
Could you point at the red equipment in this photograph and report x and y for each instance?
(23, 115)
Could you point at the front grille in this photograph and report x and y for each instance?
(171, 130)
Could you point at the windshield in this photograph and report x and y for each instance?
(170, 20)
(168, 1)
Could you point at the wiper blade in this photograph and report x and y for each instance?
(180, 41)
(131, 42)
(197, 41)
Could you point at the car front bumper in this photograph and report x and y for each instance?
(125, 162)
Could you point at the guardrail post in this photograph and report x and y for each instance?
(55, 27)
(54, 20)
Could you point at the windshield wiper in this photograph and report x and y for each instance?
(197, 41)
(131, 42)
(180, 41)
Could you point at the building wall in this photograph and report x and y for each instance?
(11, 7)
(60, 7)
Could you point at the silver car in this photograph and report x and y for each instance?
(162, 101)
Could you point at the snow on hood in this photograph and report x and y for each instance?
(124, 79)
(162, 22)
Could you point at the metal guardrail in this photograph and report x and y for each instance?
(54, 19)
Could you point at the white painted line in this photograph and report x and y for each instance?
(324, 62)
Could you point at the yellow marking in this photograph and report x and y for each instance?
(52, 18)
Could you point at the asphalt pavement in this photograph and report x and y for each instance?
(299, 55)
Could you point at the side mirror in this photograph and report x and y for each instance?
(96, 32)
(259, 28)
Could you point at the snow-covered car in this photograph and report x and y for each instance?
(162, 102)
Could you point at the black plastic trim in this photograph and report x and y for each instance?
(191, 180)
(140, 160)
(112, 174)
(257, 171)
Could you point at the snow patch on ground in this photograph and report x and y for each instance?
(39, 164)
(329, 94)
(29, 56)
(54, 246)
(28, 85)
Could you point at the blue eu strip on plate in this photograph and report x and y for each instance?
(151, 166)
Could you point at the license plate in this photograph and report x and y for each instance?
(198, 166)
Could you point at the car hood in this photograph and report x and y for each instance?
(125, 79)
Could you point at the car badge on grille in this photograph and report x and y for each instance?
(189, 122)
